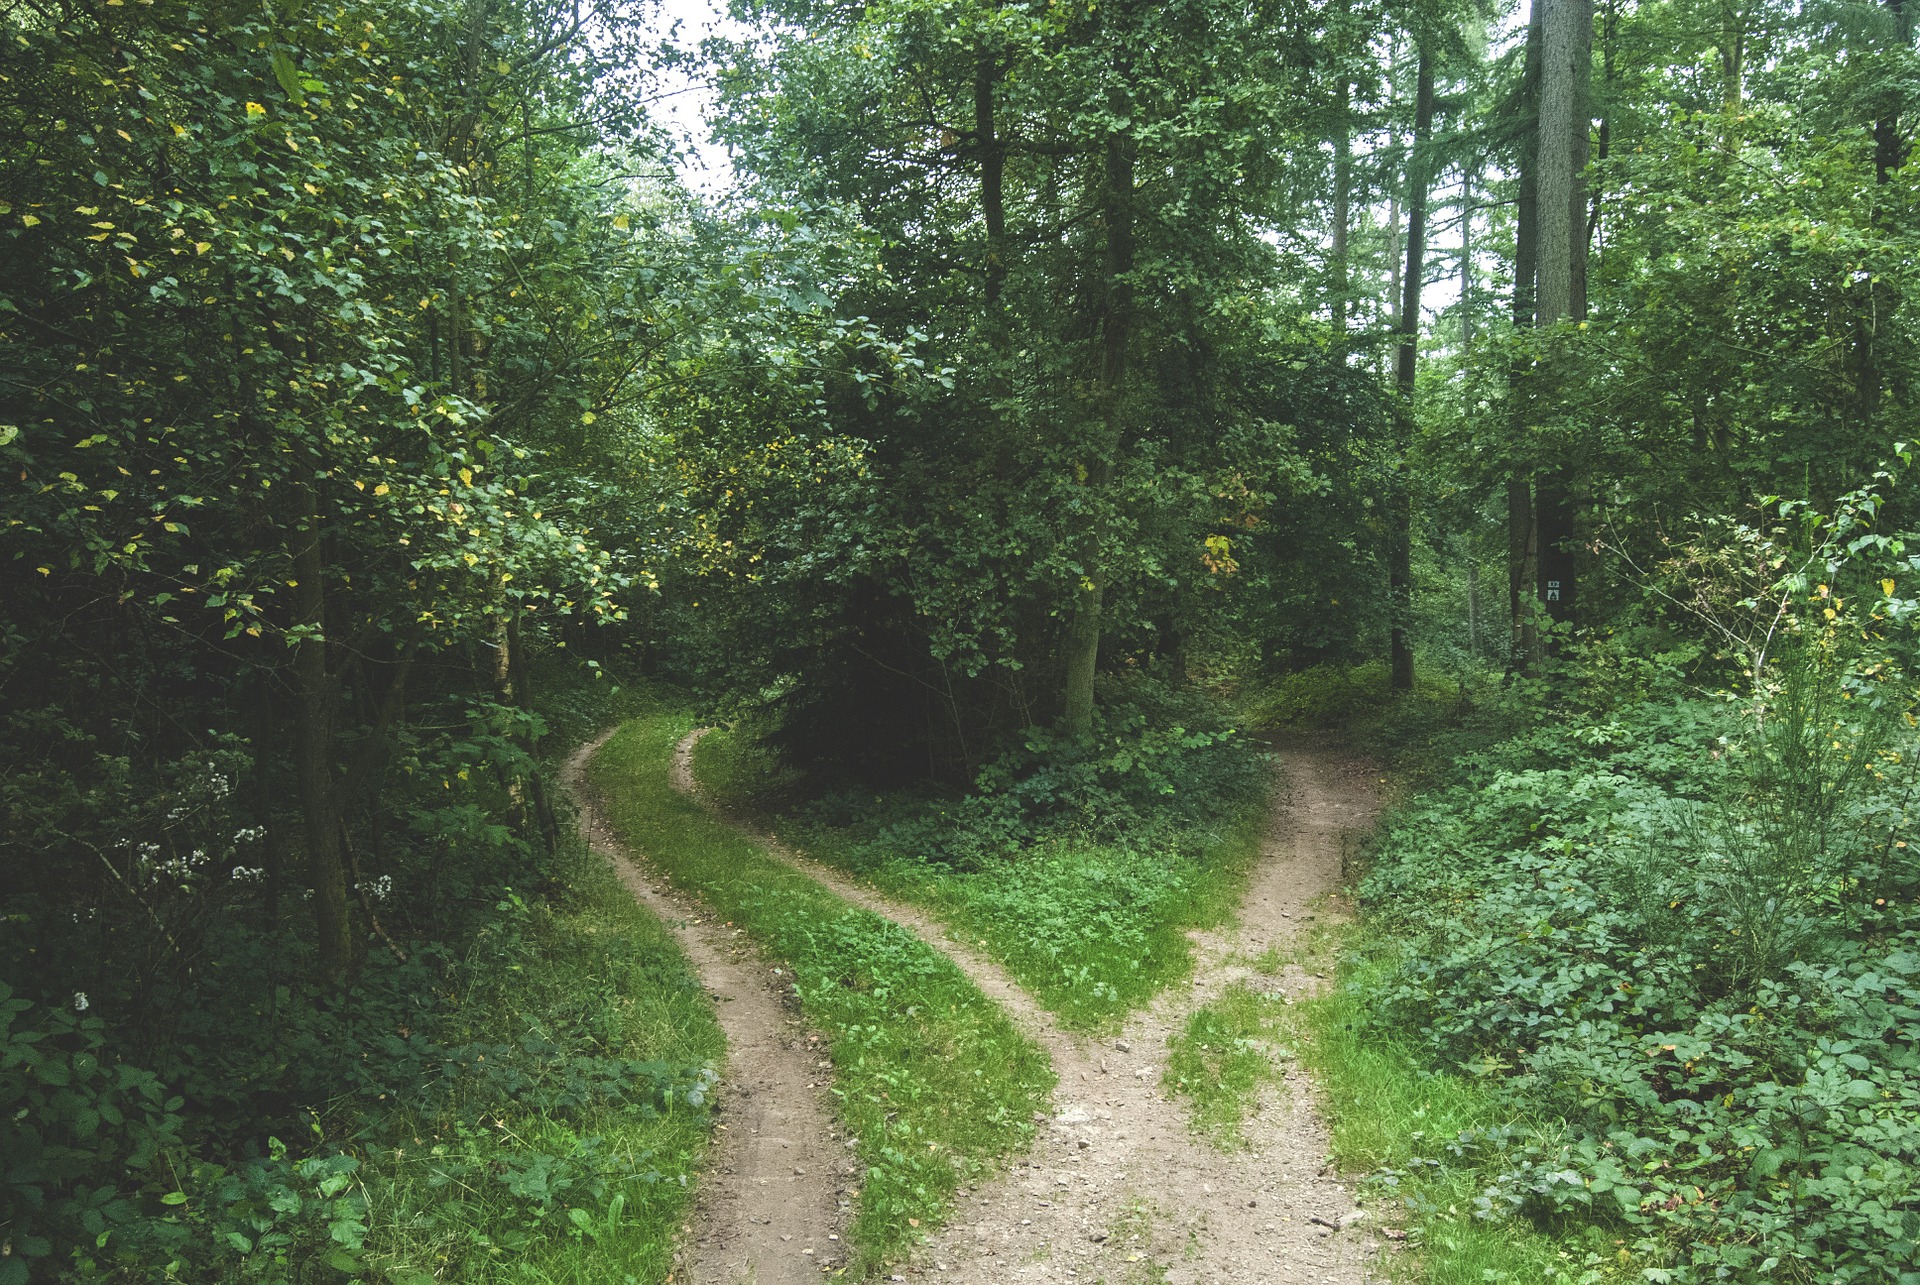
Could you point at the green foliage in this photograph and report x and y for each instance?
(933, 1082)
(1080, 867)
(71, 1124)
(557, 1148)
(1092, 386)
(566, 1152)
(1690, 940)
(1429, 1143)
(1160, 766)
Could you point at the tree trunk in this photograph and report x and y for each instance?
(314, 693)
(1400, 558)
(1520, 571)
(1609, 27)
(1473, 606)
(1889, 154)
(1116, 333)
(1733, 77)
(1526, 261)
(1467, 178)
(1566, 50)
(1083, 655)
(993, 165)
(1342, 285)
(536, 783)
(1566, 67)
(1393, 199)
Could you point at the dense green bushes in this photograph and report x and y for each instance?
(1160, 765)
(1080, 866)
(541, 1094)
(523, 1096)
(1692, 937)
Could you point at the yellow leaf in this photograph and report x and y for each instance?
(30, 220)
(1886, 587)
(255, 109)
(201, 247)
(179, 131)
(380, 489)
(622, 222)
(466, 477)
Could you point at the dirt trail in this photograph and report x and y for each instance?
(1118, 1188)
(772, 1206)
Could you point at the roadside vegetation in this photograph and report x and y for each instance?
(1639, 966)
(1080, 868)
(515, 1090)
(933, 1082)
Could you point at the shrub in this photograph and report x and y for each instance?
(1692, 938)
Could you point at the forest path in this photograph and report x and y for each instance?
(1118, 1188)
(774, 1185)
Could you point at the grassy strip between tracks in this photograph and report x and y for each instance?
(933, 1081)
(1092, 927)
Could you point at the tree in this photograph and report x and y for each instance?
(1419, 181)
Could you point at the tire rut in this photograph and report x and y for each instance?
(1117, 1187)
(777, 1172)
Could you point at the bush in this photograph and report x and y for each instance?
(1693, 938)
(1158, 772)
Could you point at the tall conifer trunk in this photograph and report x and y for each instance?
(1521, 548)
(1400, 554)
(1342, 206)
(1566, 67)
(993, 166)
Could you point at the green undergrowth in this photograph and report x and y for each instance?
(1410, 1135)
(518, 1092)
(1228, 1052)
(1636, 992)
(580, 1053)
(1092, 923)
(934, 1083)
(1354, 704)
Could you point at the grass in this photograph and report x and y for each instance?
(1092, 930)
(1229, 1050)
(933, 1082)
(546, 1184)
(1407, 1132)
